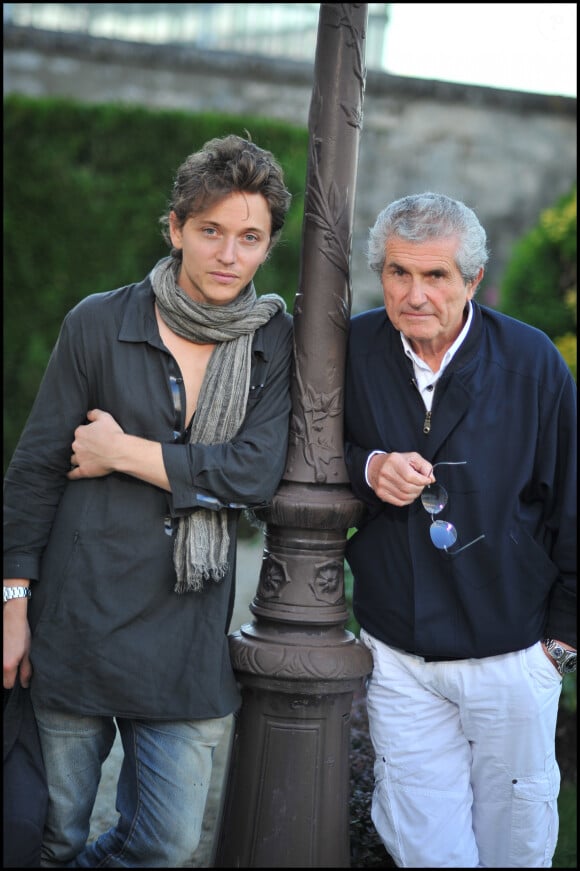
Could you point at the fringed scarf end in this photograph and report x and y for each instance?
(195, 581)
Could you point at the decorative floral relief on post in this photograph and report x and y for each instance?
(327, 585)
(274, 577)
(328, 210)
(307, 426)
(356, 42)
(328, 207)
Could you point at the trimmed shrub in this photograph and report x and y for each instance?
(540, 282)
(84, 187)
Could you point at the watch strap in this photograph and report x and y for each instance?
(564, 659)
(16, 592)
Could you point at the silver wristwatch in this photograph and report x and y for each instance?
(16, 593)
(565, 660)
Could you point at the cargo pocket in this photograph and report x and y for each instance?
(535, 819)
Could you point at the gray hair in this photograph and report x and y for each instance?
(425, 216)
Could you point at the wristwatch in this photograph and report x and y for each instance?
(565, 660)
(16, 593)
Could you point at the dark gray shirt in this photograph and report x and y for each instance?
(110, 636)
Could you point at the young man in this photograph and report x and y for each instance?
(460, 430)
(163, 412)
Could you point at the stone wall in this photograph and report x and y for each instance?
(507, 154)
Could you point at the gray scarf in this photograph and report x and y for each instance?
(202, 539)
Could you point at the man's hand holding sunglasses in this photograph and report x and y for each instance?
(398, 478)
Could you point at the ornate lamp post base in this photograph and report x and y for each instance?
(287, 800)
(287, 796)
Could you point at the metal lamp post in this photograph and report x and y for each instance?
(287, 795)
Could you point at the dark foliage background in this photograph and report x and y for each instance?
(541, 278)
(84, 188)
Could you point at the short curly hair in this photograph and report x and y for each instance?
(221, 167)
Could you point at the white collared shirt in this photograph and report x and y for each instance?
(424, 375)
(425, 378)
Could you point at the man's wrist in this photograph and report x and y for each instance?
(16, 591)
(143, 459)
(368, 464)
(119, 452)
(562, 656)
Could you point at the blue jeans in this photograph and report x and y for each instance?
(161, 791)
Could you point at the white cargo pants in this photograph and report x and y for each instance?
(465, 769)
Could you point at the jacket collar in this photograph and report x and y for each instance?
(466, 352)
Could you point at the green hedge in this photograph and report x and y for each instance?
(84, 187)
(540, 282)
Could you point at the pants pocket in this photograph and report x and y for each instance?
(535, 819)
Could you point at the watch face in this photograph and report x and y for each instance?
(570, 664)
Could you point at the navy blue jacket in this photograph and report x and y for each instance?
(507, 405)
(110, 637)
